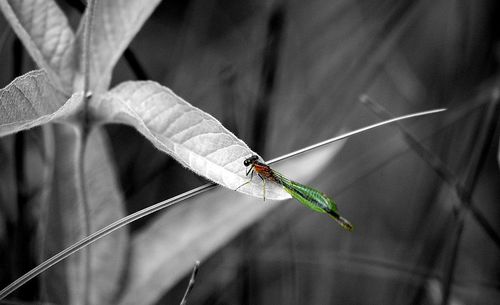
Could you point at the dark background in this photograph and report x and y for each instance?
(282, 75)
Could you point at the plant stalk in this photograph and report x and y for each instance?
(82, 143)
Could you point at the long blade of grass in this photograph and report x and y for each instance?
(172, 201)
(100, 234)
(355, 132)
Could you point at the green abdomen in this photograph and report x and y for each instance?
(310, 197)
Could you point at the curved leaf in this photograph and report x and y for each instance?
(31, 100)
(194, 138)
(47, 36)
(115, 23)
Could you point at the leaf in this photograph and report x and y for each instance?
(45, 32)
(194, 138)
(65, 223)
(115, 23)
(164, 251)
(31, 100)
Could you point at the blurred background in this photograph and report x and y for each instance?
(423, 196)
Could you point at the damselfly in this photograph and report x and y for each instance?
(311, 198)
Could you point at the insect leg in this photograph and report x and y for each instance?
(243, 184)
(250, 171)
(263, 187)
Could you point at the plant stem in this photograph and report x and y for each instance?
(83, 135)
(100, 234)
(191, 282)
(352, 133)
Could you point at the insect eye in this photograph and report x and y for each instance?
(250, 160)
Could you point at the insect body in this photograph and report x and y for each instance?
(311, 198)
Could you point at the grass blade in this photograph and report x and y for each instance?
(355, 132)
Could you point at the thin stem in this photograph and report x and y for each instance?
(191, 282)
(352, 133)
(168, 203)
(82, 143)
(100, 234)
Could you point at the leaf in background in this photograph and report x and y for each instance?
(115, 24)
(194, 138)
(31, 100)
(63, 283)
(165, 251)
(44, 30)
